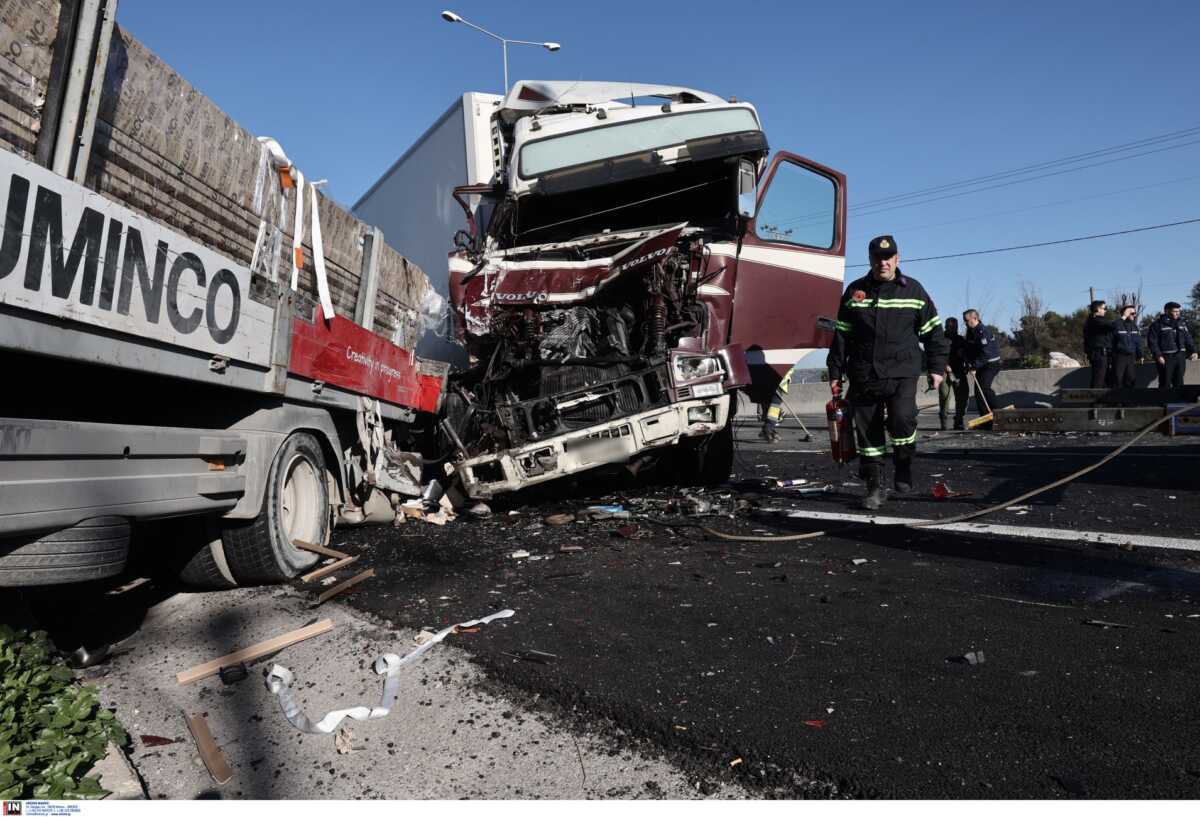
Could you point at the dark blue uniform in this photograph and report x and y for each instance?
(983, 355)
(1097, 343)
(1170, 339)
(1126, 349)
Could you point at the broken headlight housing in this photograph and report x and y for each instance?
(694, 367)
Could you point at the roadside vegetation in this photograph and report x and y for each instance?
(52, 730)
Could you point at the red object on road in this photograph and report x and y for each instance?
(841, 430)
(941, 490)
(815, 724)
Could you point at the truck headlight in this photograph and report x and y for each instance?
(694, 368)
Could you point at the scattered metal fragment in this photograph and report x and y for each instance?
(859, 561)
(570, 548)
(1095, 622)
(536, 656)
(157, 740)
(973, 658)
(233, 673)
(737, 761)
(279, 682)
(519, 554)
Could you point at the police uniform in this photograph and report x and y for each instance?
(983, 355)
(877, 344)
(1126, 349)
(1097, 343)
(1171, 339)
(955, 387)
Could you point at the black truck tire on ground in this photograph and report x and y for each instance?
(206, 567)
(92, 549)
(295, 506)
(707, 461)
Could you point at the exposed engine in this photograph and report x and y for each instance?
(573, 338)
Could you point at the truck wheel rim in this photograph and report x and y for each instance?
(298, 502)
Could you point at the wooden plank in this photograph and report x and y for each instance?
(322, 572)
(344, 586)
(255, 651)
(210, 753)
(324, 551)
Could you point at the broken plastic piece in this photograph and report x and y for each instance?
(280, 679)
(941, 490)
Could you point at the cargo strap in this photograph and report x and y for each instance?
(279, 682)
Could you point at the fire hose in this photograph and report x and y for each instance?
(965, 516)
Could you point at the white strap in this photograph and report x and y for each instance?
(298, 230)
(319, 256)
(280, 679)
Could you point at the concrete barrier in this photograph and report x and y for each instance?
(1019, 387)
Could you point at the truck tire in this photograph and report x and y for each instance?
(207, 568)
(295, 506)
(93, 549)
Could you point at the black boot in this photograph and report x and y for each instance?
(875, 497)
(769, 433)
(958, 424)
(904, 479)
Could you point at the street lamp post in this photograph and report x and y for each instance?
(451, 17)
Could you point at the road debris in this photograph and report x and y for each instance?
(344, 586)
(157, 740)
(815, 724)
(973, 658)
(857, 562)
(234, 673)
(322, 572)
(280, 679)
(737, 761)
(519, 554)
(210, 753)
(942, 490)
(1095, 622)
(343, 741)
(559, 519)
(271, 645)
(536, 656)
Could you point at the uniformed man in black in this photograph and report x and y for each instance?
(983, 358)
(883, 320)
(955, 385)
(1126, 348)
(1170, 342)
(1098, 342)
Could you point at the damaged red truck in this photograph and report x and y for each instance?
(628, 268)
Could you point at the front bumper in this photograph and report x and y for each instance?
(613, 442)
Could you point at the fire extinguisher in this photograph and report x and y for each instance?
(841, 430)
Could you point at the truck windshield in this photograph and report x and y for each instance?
(581, 147)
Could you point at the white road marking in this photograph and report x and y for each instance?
(1013, 531)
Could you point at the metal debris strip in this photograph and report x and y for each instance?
(279, 682)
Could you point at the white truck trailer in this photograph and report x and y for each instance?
(187, 328)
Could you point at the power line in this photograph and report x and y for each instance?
(1043, 243)
(1039, 166)
(1029, 179)
(824, 215)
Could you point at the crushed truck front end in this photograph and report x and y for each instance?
(583, 301)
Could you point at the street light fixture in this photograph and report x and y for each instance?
(451, 17)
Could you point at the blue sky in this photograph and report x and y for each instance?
(899, 97)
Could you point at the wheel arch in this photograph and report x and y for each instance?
(266, 430)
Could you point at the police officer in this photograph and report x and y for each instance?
(1126, 348)
(1098, 342)
(955, 383)
(882, 321)
(983, 357)
(1170, 342)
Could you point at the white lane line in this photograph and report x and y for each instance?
(1098, 537)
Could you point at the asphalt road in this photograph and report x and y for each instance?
(790, 668)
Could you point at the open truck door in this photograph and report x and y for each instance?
(789, 270)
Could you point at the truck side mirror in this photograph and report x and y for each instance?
(747, 189)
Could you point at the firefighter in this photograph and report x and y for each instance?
(774, 416)
(983, 358)
(1170, 342)
(1126, 348)
(955, 383)
(882, 321)
(1098, 342)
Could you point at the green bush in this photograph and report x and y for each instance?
(51, 729)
